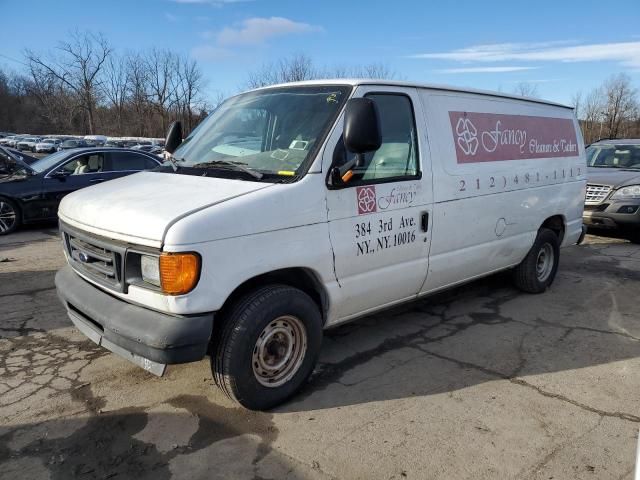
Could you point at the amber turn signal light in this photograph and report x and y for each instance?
(347, 176)
(179, 272)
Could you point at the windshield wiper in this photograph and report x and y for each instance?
(233, 165)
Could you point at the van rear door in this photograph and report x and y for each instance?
(379, 221)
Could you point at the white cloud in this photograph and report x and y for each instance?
(625, 53)
(485, 69)
(250, 32)
(255, 31)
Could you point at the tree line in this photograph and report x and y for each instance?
(84, 86)
(611, 110)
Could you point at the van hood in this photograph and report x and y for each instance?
(140, 208)
(613, 177)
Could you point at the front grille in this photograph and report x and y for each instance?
(596, 208)
(596, 193)
(95, 258)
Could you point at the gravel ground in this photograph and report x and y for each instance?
(482, 382)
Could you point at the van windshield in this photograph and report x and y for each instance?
(614, 156)
(270, 133)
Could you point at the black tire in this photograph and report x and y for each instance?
(529, 276)
(7, 209)
(634, 237)
(234, 350)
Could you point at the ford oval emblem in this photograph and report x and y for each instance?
(83, 257)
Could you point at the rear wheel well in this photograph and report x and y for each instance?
(556, 224)
(300, 278)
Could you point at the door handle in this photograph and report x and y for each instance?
(96, 180)
(424, 221)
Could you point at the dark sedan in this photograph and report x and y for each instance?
(32, 192)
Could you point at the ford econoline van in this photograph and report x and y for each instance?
(298, 207)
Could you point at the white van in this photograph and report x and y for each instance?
(297, 207)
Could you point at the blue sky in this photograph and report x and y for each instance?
(562, 46)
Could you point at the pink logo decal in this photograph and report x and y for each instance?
(366, 197)
(492, 137)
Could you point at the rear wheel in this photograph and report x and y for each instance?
(538, 269)
(9, 216)
(634, 237)
(267, 347)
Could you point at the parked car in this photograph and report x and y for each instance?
(613, 188)
(144, 147)
(95, 140)
(6, 140)
(32, 192)
(72, 143)
(13, 142)
(156, 150)
(358, 196)
(48, 145)
(114, 144)
(28, 143)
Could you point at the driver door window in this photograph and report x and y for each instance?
(85, 164)
(397, 157)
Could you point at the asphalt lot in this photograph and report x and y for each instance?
(482, 382)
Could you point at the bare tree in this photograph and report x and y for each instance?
(77, 65)
(592, 115)
(621, 103)
(162, 84)
(526, 89)
(576, 103)
(296, 68)
(191, 82)
(137, 91)
(116, 85)
(300, 67)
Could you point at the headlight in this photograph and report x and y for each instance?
(150, 269)
(174, 273)
(626, 193)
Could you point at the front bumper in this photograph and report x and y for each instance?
(150, 339)
(610, 215)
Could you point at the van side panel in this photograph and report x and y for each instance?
(501, 167)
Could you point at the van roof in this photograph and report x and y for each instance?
(393, 83)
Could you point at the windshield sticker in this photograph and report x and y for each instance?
(491, 137)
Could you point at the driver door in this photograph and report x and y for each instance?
(379, 222)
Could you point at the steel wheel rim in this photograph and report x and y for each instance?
(279, 351)
(544, 262)
(7, 217)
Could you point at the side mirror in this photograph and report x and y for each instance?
(174, 137)
(361, 128)
(59, 174)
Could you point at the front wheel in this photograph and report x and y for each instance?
(9, 216)
(538, 269)
(267, 347)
